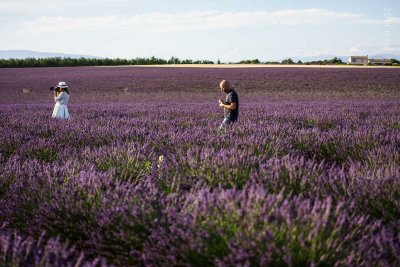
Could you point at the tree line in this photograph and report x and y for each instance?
(290, 61)
(71, 62)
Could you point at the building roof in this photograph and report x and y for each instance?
(359, 57)
(380, 60)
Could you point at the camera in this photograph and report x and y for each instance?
(55, 89)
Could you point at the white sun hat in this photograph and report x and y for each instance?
(62, 85)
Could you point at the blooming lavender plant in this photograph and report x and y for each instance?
(16, 250)
(145, 179)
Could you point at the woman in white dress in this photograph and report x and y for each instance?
(61, 98)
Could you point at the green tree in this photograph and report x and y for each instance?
(287, 61)
(395, 61)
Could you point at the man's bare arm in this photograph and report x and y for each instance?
(231, 106)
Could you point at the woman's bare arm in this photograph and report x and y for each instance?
(59, 97)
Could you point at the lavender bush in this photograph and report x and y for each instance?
(151, 181)
(19, 251)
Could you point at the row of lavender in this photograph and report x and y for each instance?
(293, 183)
(111, 84)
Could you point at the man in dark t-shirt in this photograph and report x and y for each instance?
(230, 105)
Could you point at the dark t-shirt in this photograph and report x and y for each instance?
(232, 97)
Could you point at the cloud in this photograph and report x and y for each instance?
(366, 49)
(187, 22)
(386, 22)
(150, 32)
(392, 20)
(230, 54)
(309, 16)
(355, 50)
(35, 6)
(391, 48)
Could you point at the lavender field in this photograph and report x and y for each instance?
(141, 176)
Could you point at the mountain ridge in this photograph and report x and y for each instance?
(21, 54)
(343, 58)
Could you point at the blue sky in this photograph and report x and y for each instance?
(228, 30)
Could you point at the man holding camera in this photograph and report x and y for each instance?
(230, 105)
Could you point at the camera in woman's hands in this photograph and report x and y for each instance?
(55, 90)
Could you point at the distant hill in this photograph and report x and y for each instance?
(343, 58)
(380, 56)
(321, 57)
(21, 54)
(6, 54)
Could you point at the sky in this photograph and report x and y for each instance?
(202, 29)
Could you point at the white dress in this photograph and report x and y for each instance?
(60, 109)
